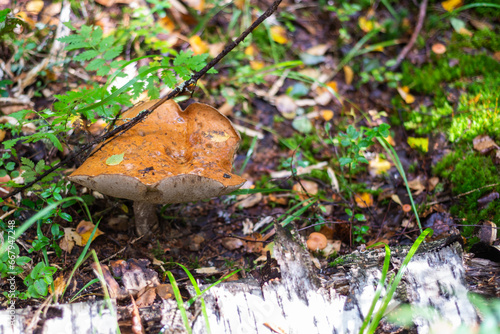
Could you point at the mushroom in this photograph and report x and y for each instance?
(173, 156)
(316, 241)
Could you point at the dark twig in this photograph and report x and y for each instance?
(413, 39)
(178, 90)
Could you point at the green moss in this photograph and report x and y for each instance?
(469, 172)
(484, 38)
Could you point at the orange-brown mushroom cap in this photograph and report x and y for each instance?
(316, 241)
(172, 156)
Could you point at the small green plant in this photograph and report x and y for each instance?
(371, 321)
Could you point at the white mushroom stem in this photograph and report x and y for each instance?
(145, 217)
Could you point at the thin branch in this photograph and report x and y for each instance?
(413, 39)
(178, 90)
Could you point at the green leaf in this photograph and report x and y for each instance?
(344, 161)
(41, 287)
(40, 166)
(27, 162)
(10, 165)
(113, 53)
(54, 141)
(95, 64)
(86, 55)
(66, 216)
(103, 70)
(349, 212)
(302, 124)
(115, 159)
(351, 132)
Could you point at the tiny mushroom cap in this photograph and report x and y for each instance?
(406, 208)
(172, 156)
(316, 241)
(438, 48)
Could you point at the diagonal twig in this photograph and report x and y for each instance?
(413, 39)
(179, 89)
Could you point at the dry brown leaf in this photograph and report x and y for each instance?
(417, 184)
(310, 187)
(432, 183)
(232, 243)
(286, 106)
(378, 166)
(318, 50)
(34, 7)
(364, 200)
(484, 144)
(84, 229)
(146, 298)
(247, 201)
(404, 92)
(165, 291)
(198, 45)
(348, 74)
(278, 199)
(69, 240)
(278, 34)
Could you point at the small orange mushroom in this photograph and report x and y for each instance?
(316, 241)
(439, 48)
(173, 156)
(406, 208)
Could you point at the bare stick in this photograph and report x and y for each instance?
(413, 39)
(179, 89)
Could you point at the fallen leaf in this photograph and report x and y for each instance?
(114, 159)
(302, 124)
(59, 285)
(451, 5)
(165, 291)
(378, 166)
(364, 200)
(250, 51)
(365, 24)
(167, 24)
(318, 50)
(198, 45)
(146, 298)
(484, 144)
(278, 200)
(348, 74)
(278, 34)
(247, 201)
(310, 187)
(207, 271)
(416, 184)
(332, 85)
(405, 95)
(327, 114)
(286, 106)
(232, 243)
(69, 240)
(84, 229)
(396, 199)
(419, 143)
(257, 65)
(432, 183)
(34, 6)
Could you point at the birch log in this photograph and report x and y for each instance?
(301, 301)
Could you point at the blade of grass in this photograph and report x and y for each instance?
(83, 256)
(394, 156)
(249, 154)
(388, 297)
(180, 302)
(380, 286)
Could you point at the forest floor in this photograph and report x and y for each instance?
(309, 91)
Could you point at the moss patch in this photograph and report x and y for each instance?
(468, 172)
